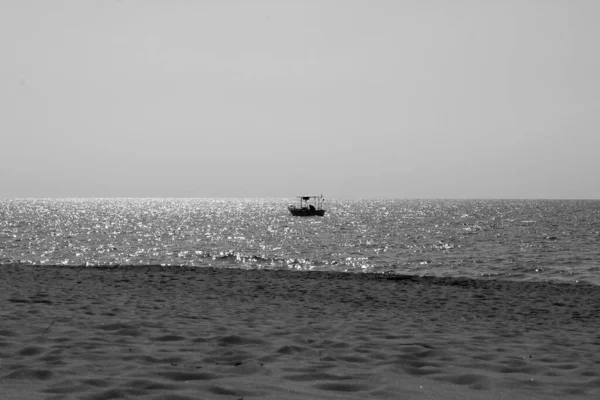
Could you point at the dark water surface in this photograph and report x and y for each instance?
(491, 239)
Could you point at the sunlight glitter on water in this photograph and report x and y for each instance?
(520, 240)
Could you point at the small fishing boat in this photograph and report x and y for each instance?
(309, 206)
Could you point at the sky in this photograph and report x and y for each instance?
(279, 98)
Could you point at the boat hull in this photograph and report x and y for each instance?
(303, 212)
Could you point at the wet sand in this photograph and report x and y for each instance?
(181, 333)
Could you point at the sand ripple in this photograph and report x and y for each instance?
(181, 333)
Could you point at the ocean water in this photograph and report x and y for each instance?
(540, 240)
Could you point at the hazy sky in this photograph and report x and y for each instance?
(395, 99)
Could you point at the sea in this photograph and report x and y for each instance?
(517, 240)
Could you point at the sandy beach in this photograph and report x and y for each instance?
(201, 333)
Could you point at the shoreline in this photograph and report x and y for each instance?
(386, 275)
(185, 332)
